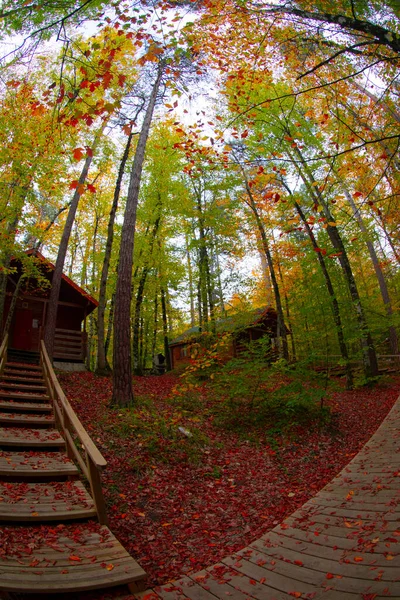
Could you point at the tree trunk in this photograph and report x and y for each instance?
(334, 303)
(281, 328)
(140, 294)
(155, 328)
(52, 307)
(287, 310)
(393, 339)
(122, 367)
(5, 263)
(204, 270)
(165, 329)
(103, 368)
(13, 304)
(190, 275)
(109, 331)
(370, 362)
(136, 321)
(51, 318)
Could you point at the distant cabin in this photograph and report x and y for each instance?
(243, 327)
(28, 322)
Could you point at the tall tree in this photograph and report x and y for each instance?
(122, 360)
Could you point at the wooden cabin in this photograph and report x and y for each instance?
(28, 321)
(244, 328)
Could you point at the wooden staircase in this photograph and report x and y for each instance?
(53, 533)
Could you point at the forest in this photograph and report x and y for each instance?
(189, 160)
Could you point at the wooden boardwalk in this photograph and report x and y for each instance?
(343, 544)
(53, 532)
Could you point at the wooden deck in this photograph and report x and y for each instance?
(343, 544)
(53, 532)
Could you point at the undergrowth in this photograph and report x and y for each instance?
(251, 394)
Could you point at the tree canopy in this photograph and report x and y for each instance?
(247, 153)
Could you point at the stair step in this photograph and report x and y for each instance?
(26, 420)
(23, 395)
(20, 386)
(36, 464)
(27, 380)
(64, 500)
(32, 438)
(23, 365)
(24, 373)
(101, 560)
(26, 406)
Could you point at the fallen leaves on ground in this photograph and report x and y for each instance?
(179, 503)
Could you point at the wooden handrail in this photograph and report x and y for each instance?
(3, 353)
(69, 424)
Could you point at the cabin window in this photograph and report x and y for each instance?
(183, 351)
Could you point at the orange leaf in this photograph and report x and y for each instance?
(358, 559)
(76, 558)
(78, 153)
(110, 567)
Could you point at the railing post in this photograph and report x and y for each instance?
(67, 427)
(3, 353)
(97, 491)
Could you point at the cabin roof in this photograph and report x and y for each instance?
(93, 303)
(236, 322)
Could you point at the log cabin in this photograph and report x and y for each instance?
(29, 316)
(243, 327)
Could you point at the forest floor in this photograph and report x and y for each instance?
(180, 500)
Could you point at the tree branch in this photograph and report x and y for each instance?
(338, 53)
